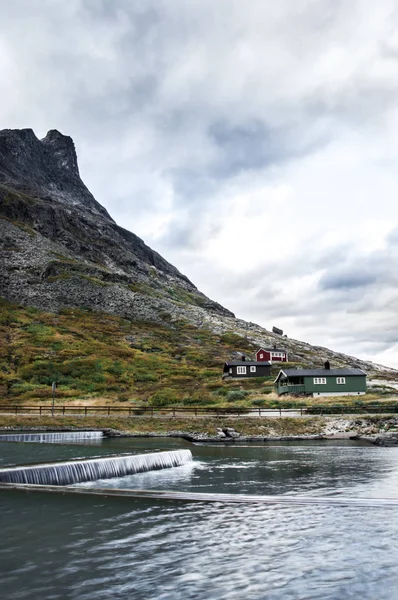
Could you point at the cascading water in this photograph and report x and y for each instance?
(58, 436)
(68, 473)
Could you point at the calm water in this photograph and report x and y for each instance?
(65, 547)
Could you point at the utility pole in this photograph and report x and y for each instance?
(54, 387)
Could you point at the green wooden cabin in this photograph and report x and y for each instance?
(321, 382)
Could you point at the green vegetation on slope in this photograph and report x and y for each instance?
(98, 355)
(98, 359)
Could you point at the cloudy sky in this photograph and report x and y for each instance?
(253, 144)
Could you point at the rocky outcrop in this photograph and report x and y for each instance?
(45, 169)
(60, 248)
(224, 433)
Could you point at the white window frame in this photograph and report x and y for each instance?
(319, 380)
(241, 370)
(252, 369)
(261, 355)
(340, 380)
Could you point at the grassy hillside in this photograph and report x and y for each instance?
(93, 355)
(99, 359)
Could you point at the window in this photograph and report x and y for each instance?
(340, 380)
(261, 355)
(296, 381)
(241, 370)
(319, 380)
(252, 369)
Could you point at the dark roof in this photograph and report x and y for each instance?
(239, 363)
(272, 350)
(321, 372)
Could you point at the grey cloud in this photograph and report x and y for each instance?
(392, 238)
(255, 145)
(189, 233)
(347, 280)
(248, 146)
(362, 273)
(193, 187)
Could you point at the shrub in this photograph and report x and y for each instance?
(234, 395)
(123, 397)
(221, 391)
(231, 338)
(116, 369)
(21, 387)
(259, 402)
(164, 397)
(141, 376)
(198, 398)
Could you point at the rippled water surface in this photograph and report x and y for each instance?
(56, 546)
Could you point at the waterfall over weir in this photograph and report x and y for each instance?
(78, 471)
(57, 436)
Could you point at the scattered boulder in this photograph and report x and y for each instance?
(386, 439)
(230, 432)
(277, 330)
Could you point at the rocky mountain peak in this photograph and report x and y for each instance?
(46, 167)
(60, 248)
(63, 151)
(23, 155)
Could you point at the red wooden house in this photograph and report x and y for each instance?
(272, 355)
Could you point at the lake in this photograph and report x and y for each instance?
(86, 547)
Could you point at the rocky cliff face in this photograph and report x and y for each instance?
(45, 169)
(60, 248)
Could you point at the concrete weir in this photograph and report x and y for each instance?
(52, 437)
(79, 471)
(203, 497)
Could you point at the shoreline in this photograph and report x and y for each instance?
(382, 438)
(374, 429)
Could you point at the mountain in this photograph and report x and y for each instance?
(60, 249)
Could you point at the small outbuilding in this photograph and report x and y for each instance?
(246, 368)
(272, 354)
(321, 382)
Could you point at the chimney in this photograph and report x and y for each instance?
(327, 365)
(243, 357)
